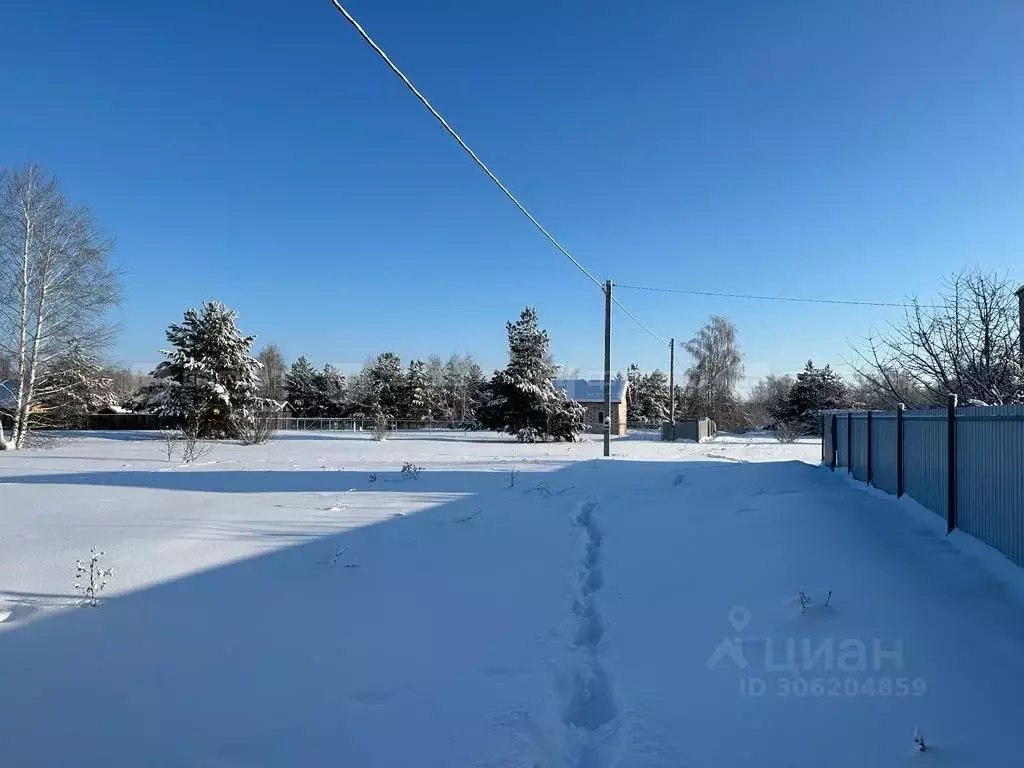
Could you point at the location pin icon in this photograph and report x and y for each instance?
(739, 617)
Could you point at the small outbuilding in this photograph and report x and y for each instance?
(590, 394)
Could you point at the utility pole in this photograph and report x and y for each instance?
(672, 383)
(608, 368)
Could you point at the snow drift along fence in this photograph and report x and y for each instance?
(964, 464)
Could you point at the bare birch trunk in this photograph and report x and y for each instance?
(53, 266)
(20, 396)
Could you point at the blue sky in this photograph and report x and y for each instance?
(259, 153)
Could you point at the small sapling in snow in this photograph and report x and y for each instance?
(410, 471)
(919, 741)
(806, 601)
(513, 477)
(338, 552)
(373, 477)
(541, 489)
(91, 577)
(170, 440)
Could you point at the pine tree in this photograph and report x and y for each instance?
(358, 393)
(386, 382)
(416, 399)
(452, 389)
(816, 389)
(523, 399)
(329, 386)
(654, 405)
(73, 386)
(647, 397)
(302, 388)
(475, 390)
(209, 373)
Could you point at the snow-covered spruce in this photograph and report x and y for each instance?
(208, 373)
(416, 398)
(646, 396)
(315, 393)
(523, 399)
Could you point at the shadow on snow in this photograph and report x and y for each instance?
(280, 658)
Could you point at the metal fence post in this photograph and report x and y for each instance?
(849, 441)
(870, 473)
(900, 409)
(951, 463)
(835, 442)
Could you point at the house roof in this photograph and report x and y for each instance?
(591, 390)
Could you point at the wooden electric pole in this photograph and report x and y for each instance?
(608, 368)
(672, 383)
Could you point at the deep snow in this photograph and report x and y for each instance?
(305, 603)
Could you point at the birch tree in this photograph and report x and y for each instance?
(55, 283)
(274, 373)
(966, 342)
(716, 370)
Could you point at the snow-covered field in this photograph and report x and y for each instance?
(306, 603)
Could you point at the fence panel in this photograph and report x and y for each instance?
(132, 421)
(990, 477)
(989, 465)
(883, 451)
(826, 437)
(860, 446)
(841, 443)
(925, 459)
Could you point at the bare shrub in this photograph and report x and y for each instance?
(170, 442)
(788, 431)
(381, 428)
(192, 447)
(410, 471)
(254, 428)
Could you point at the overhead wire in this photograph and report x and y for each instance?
(633, 317)
(805, 300)
(423, 100)
(483, 166)
(551, 238)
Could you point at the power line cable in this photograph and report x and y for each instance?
(632, 317)
(423, 99)
(451, 131)
(804, 300)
